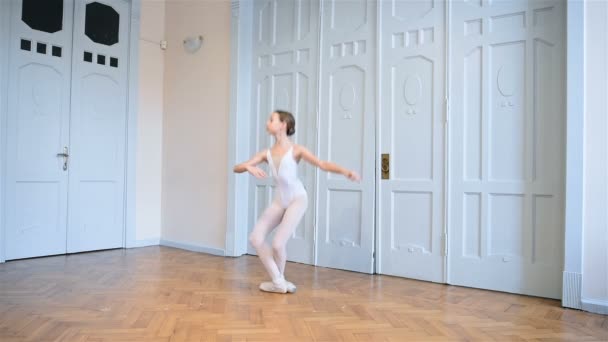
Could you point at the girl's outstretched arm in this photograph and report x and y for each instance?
(251, 167)
(327, 165)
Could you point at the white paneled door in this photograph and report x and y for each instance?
(412, 137)
(345, 236)
(285, 69)
(98, 125)
(38, 128)
(507, 146)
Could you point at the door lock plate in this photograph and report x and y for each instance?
(385, 166)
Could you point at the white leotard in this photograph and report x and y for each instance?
(286, 178)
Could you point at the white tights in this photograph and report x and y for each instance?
(285, 220)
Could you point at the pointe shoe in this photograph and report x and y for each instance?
(269, 286)
(291, 288)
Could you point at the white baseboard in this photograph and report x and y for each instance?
(193, 248)
(145, 243)
(571, 293)
(597, 306)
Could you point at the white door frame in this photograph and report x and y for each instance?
(575, 108)
(4, 53)
(241, 49)
(129, 239)
(238, 142)
(131, 132)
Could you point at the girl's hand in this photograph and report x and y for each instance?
(353, 176)
(256, 172)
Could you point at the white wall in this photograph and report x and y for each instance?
(150, 123)
(595, 203)
(195, 126)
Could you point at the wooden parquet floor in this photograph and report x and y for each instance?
(166, 294)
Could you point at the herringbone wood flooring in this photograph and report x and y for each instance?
(166, 294)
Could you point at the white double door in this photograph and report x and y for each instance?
(474, 195)
(66, 124)
(461, 153)
(337, 230)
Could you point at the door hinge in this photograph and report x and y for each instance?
(444, 241)
(447, 109)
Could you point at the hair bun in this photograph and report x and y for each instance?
(291, 131)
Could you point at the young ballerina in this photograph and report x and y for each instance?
(290, 199)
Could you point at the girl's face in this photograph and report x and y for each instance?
(274, 124)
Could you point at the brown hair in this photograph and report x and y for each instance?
(287, 117)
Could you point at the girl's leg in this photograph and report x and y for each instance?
(292, 217)
(267, 221)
